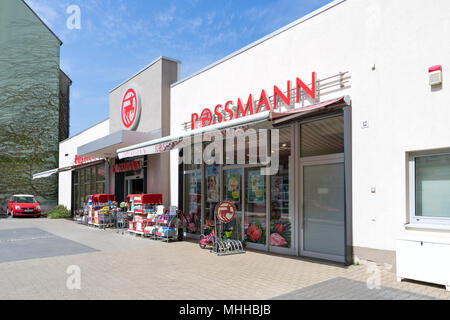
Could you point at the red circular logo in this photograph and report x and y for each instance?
(206, 117)
(130, 109)
(225, 211)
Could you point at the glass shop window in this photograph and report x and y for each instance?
(320, 137)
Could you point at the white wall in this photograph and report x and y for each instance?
(67, 152)
(401, 39)
(152, 84)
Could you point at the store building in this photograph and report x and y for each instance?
(139, 111)
(361, 112)
(344, 119)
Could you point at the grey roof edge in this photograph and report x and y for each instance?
(107, 119)
(65, 74)
(145, 68)
(112, 139)
(269, 36)
(51, 31)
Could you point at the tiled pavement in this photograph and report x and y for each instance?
(346, 289)
(128, 267)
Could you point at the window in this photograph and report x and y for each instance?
(193, 202)
(192, 162)
(430, 188)
(255, 206)
(212, 198)
(24, 199)
(320, 137)
(87, 181)
(281, 214)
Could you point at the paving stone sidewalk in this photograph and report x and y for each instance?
(120, 266)
(346, 289)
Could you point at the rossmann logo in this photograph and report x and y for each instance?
(225, 112)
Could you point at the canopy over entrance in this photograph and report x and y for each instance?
(48, 173)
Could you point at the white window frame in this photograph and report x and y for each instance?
(421, 220)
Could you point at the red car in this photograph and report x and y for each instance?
(22, 205)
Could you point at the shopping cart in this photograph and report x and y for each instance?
(121, 220)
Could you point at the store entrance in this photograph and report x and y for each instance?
(323, 198)
(322, 189)
(134, 184)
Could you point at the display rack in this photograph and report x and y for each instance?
(151, 223)
(170, 225)
(78, 216)
(96, 216)
(121, 218)
(130, 213)
(140, 206)
(107, 215)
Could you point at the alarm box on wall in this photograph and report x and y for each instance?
(435, 75)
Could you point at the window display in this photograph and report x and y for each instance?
(281, 215)
(255, 207)
(233, 185)
(193, 211)
(212, 179)
(256, 187)
(232, 192)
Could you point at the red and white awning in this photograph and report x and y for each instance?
(48, 173)
(283, 117)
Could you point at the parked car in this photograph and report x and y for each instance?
(23, 205)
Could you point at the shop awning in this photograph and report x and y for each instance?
(106, 147)
(45, 174)
(48, 173)
(296, 114)
(177, 141)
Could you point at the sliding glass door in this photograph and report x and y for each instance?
(323, 209)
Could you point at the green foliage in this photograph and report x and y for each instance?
(29, 105)
(59, 212)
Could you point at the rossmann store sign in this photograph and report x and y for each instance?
(127, 166)
(224, 112)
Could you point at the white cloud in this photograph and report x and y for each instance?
(166, 16)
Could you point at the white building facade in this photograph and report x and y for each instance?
(364, 152)
(69, 159)
(386, 48)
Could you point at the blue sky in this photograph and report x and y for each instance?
(119, 37)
